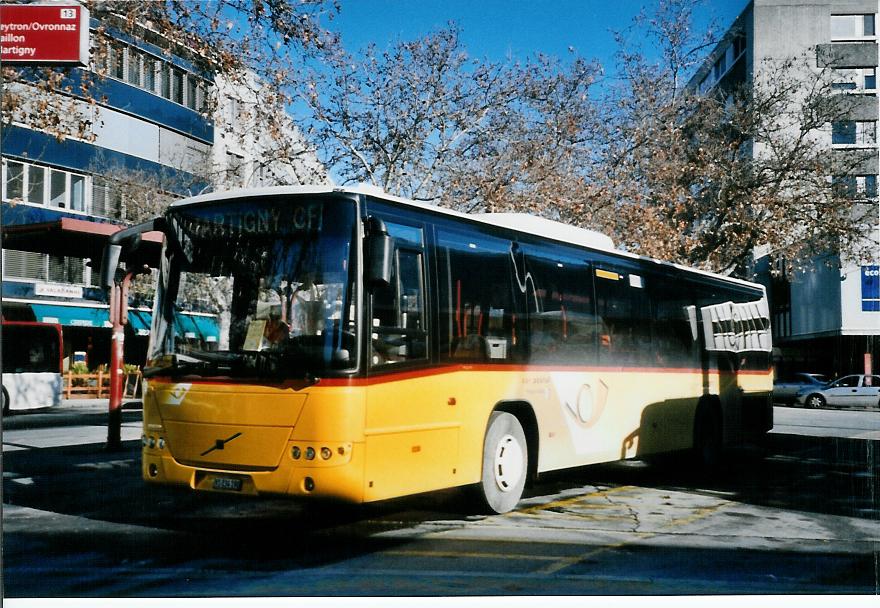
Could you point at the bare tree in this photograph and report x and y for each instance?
(704, 180)
(399, 118)
(538, 156)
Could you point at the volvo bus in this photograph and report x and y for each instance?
(31, 365)
(373, 347)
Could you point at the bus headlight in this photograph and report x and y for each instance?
(310, 453)
(326, 453)
(295, 453)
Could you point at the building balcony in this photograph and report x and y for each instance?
(847, 55)
(859, 161)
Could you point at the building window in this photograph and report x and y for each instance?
(29, 184)
(158, 76)
(165, 73)
(117, 61)
(24, 265)
(58, 189)
(234, 170)
(856, 187)
(106, 199)
(30, 266)
(63, 269)
(150, 74)
(739, 45)
(850, 132)
(192, 97)
(232, 112)
(77, 192)
(852, 27)
(864, 79)
(720, 67)
(177, 86)
(132, 72)
(13, 181)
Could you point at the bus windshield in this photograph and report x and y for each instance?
(277, 275)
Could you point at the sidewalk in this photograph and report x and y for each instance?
(99, 404)
(74, 422)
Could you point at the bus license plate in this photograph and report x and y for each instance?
(228, 484)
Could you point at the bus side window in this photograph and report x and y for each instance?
(478, 320)
(563, 329)
(674, 342)
(398, 331)
(623, 308)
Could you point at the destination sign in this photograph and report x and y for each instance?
(737, 328)
(44, 34)
(242, 219)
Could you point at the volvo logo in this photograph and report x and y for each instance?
(220, 444)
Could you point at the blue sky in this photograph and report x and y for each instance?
(495, 28)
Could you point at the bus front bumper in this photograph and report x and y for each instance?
(307, 469)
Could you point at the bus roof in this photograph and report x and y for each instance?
(521, 222)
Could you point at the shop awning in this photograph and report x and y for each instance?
(197, 327)
(77, 238)
(207, 326)
(189, 325)
(140, 321)
(76, 316)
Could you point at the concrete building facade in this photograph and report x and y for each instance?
(826, 319)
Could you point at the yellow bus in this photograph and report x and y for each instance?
(372, 347)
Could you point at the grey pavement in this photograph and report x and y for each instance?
(19, 435)
(851, 424)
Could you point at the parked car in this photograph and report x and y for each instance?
(850, 391)
(786, 389)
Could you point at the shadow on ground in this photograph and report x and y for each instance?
(117, 519)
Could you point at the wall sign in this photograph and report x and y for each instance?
(58, 290)
(871, 288)
(44, 34)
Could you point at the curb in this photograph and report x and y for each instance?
(98, 404)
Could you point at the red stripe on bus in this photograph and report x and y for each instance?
(399, 376)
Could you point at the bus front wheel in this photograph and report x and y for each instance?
(505, 463)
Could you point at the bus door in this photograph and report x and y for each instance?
(411, 431)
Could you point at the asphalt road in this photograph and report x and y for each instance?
(78, 522)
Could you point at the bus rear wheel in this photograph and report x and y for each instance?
(505, 463)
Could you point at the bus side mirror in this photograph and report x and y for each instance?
(109, 264)
(128, 239)
(380, 253)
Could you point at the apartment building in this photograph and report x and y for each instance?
(151, 133)
(827, 318)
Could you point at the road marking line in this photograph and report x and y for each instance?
(698, 514)
(568, 501)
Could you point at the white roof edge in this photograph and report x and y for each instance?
(522, 222)
(534, 224)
